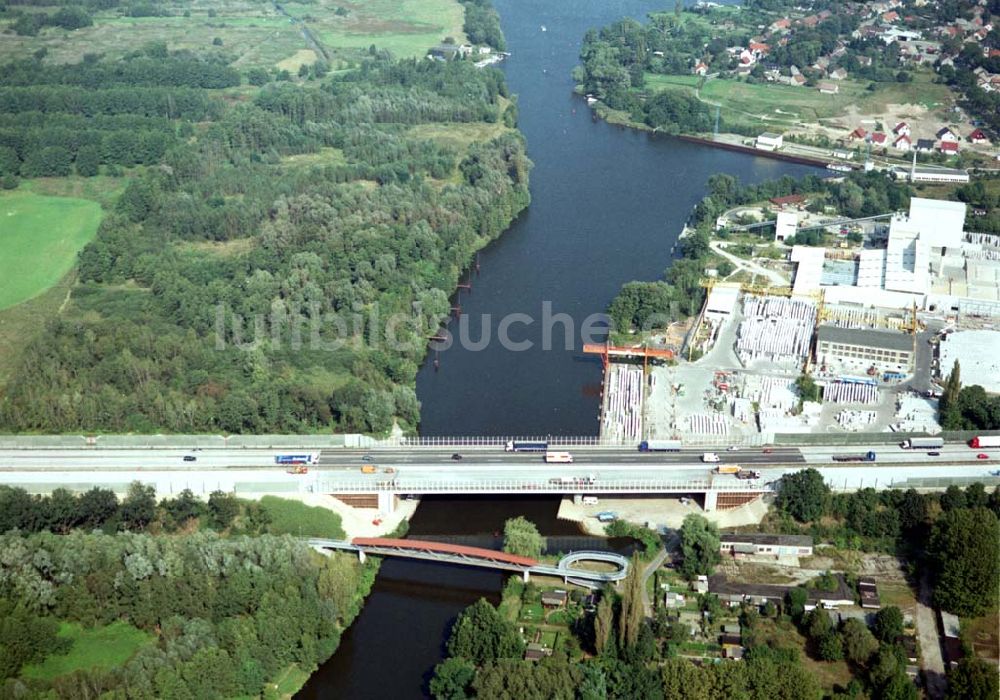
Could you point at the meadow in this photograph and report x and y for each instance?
(40, 237)
(98, 647)
(295, 518)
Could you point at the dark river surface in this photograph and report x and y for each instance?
(607, 206)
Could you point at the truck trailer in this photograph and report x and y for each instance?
(985, 441)
(866, 457)
(526, 446)
(660, 446)
(925, 443)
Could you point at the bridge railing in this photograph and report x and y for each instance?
(518, 485)
(754, 440)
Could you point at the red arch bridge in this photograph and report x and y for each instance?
(567, 568)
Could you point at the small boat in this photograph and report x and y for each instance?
(544, 29)
(839, 168)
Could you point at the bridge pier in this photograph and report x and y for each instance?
(361, 556)
(711, 500)
(526, 575)
(386, 502)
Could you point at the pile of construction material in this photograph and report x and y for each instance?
(707, 424)
(856, 420)
(916, 414)
(623, 407)
(775, 328)
(851, 392)
(770, 392)
(854, 317)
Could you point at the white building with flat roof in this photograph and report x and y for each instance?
(786, 225)
(939, 222)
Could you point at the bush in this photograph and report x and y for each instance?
(295, 518)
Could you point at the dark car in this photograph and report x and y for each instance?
(933, 454)
(367, 458)
(456, 456)
(190, 458)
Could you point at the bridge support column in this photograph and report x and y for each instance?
(361, 556)
(526, 576)
(711, 500)
(386, 502)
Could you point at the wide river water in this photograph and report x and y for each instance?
(607, 206)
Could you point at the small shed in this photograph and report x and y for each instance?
(535, 651)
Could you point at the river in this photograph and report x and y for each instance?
(607, 206)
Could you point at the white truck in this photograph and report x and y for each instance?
(710, 457)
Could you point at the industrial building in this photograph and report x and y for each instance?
(860, 349)
(757, 544)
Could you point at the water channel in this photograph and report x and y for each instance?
(607, 206)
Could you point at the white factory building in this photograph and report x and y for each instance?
(928, 260)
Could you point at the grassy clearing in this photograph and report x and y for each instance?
(657, 81)
(404, 27)
(256, 33)
(39, 241)
(458, 135)
(982, 633)
(101, 189)
(100, 647)
(288, 683)
(295, 518)
(305, 57)
(324, 156)
(899, 594)
(222, 249)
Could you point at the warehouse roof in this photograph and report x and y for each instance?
(875, 339)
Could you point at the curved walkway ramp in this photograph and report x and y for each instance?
(566, 569)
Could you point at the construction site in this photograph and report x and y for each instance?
(855, 341)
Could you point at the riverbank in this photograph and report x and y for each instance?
(657, 513)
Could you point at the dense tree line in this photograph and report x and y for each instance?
(482, 24)
(63, 511)
(226, 615)
(385, 230)
(967, 407)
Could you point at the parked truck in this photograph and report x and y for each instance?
(866, 457)
(985, 441)
(660, 446)
(925, 443)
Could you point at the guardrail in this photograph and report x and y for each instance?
(517, 486)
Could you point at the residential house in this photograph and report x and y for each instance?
(700, 68)
(869, 594)
(925, 145)
(798, 80)
(946, 134)
(949, 148)
(758, 49)
(732, 651)
(864, 61)
(858, 134)
(828, 88)
(838, 74)
(781, 25)
(673, 600)
(700, 584)
(789, 201)
(891, 16)
(902, 143)
(901, 129)
(978, 136)
(879, 138)
(536, 652)
(554, 599)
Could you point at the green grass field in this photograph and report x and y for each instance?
(99, 647)
(404, 27)
(39, 239)
(295, 518)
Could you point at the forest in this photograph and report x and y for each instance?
(281, 259)
(215, 609)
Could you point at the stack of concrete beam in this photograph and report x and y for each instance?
(710, 424)
(850, 392)
(623, 411)
(775, 328)
(856, 420)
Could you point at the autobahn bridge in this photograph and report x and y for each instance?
(567, 568)
(376, 475)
